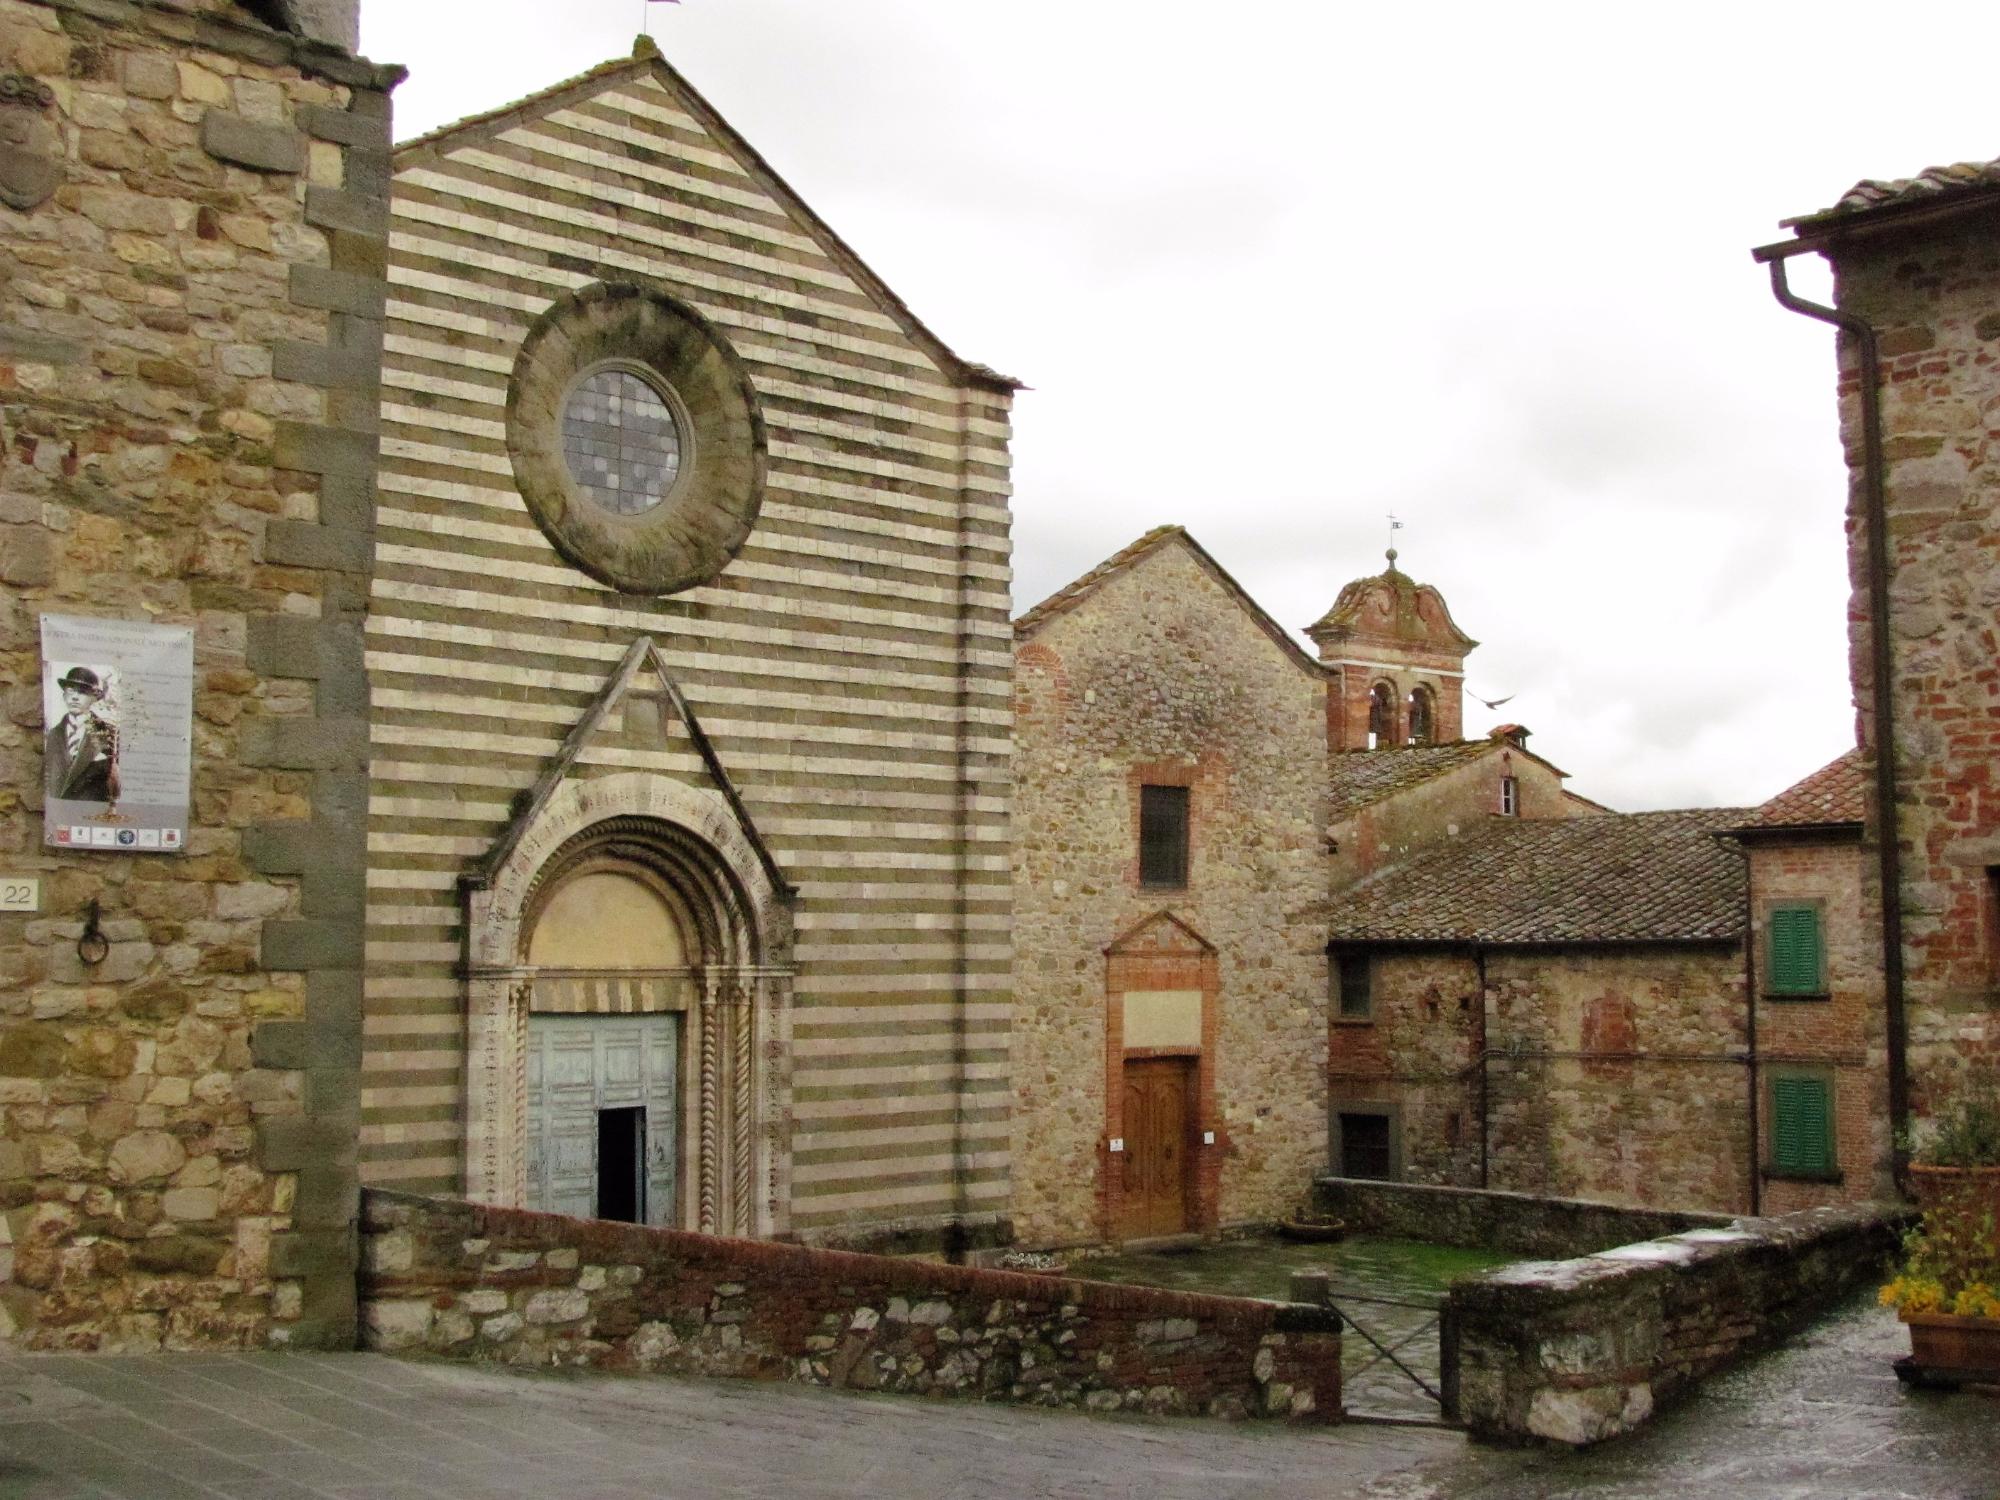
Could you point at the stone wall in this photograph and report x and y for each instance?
(1840, 1033)
(1486, 1220)
(190, 332)
(1933, 297)
(1577, 1351)
(1159, 673)
(1389, 831)
(474, 1282)
(1583, 1072)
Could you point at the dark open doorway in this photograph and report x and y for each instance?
(621, 1164)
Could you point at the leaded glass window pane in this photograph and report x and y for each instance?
(621, 441)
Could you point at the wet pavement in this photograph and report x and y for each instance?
(1822, 1416)
(1388, 1290)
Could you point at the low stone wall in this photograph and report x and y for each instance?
(1485, 1220)
(1576, 1351)
(477, 1282)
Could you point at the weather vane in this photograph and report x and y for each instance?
(646, 14)
(1394, 527)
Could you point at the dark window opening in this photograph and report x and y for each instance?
(1381, 716)
(1163, 835)
(1422, 717)
(621, 1165)
(1364, 1146)
(1352, 974)
(1510, 797)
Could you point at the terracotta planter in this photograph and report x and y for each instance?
(1946, 1349)
(1938, 1187)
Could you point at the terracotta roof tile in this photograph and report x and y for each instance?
(1929, 185)
(1359, 777)
(1836, 793)
(1622, 878)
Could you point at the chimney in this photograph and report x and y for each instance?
(1513, 734)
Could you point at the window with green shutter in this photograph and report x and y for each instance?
(1802, 1126)
(1794, 951)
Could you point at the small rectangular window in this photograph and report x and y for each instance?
(1364, 1147)
(1163, 835)
(1794, 951)
(1510, 797)
(1802, 1125)
(1351, 974)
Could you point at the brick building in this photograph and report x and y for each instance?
(1549, 1007)
(1265, 919)
(1917, 289)
(1816, 1031)
(196, 206)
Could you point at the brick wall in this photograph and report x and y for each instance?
(1840, 1033)
(190, 333)
(1577, 1351)
(475, 1282)
(1934, 299)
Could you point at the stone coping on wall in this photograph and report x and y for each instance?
(473, 1281)
(1486, 1219)
(1576, 1351)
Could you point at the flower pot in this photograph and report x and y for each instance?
(1975, 1188)
(1946, 1349)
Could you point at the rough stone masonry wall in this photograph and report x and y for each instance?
(1159, 671)
(189, 341)
(476, 1282)
(1617, 1074)
(1840, 1033)
(1577, 1351)
(1521, 1222)
(1935, 304)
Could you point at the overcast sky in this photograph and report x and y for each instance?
(1276, 270)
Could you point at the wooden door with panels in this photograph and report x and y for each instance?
(1158, 1118)
(603, 1116)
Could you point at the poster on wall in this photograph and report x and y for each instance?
(118, 700)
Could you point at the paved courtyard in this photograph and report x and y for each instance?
(1821, 1417)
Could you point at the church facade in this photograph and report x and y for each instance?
(687, 822)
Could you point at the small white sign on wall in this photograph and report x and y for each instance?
(20, 893)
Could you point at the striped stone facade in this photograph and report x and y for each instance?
(849, 668)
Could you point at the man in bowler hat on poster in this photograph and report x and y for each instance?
(82, 749)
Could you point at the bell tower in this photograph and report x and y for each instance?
(1397, 661)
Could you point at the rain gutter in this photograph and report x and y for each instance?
(1888, 835)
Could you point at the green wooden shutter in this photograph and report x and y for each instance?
(1801, 1125)
(1794, 951)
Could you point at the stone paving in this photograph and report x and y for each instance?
(1822, 1417)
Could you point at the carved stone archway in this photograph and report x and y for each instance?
(735, 989)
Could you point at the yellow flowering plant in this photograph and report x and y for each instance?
(1951, 1264)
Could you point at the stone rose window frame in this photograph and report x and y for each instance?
(705, 515)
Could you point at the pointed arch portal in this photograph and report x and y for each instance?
(647, 902)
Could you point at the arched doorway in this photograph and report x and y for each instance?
(628, 988)
(607, 944)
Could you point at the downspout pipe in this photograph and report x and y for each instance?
(1875, 517)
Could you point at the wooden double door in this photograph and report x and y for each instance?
(1158, 1122)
